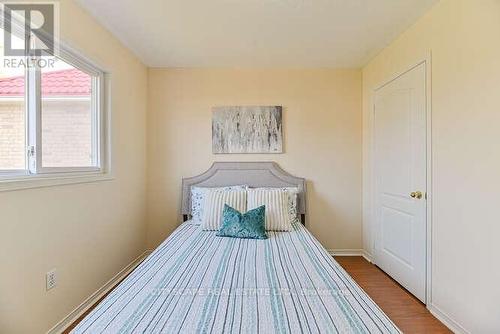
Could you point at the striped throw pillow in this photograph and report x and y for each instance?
(214, 205)
(276, 202)
(198, 195)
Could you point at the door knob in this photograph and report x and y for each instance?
(416, 194)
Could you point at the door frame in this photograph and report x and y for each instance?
(427, 60)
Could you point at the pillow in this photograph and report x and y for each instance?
(249, 225)
(293, 211)
(198, 196)
(214, 205)
(276, 202)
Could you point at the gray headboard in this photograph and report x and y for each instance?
(253, 174)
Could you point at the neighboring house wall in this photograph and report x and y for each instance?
(67, 133)
(12, 133)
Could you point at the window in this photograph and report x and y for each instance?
(51, 117)
(68, 118)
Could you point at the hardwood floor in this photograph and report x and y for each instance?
(407, 312)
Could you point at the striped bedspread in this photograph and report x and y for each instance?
(196, 282)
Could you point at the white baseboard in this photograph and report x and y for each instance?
(368, 257)
(454, 326)
(93, 298)
(345, 252)
(351, 252)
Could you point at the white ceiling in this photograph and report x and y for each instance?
(256, 33)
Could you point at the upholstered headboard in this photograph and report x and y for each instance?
(253, 174)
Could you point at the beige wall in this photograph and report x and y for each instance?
(463, 36)
(322, 139)
(88, 232)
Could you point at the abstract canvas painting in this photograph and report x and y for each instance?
(247, 129)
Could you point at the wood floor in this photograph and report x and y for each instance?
(407, 312)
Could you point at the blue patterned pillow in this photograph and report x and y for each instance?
(249, 225)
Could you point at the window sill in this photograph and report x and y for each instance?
(40, 181)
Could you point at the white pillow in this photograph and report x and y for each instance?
(214, 205)
(293, 193)
(198, 196)
(276, 202)
(293, 210)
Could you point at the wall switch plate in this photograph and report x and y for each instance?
(51, 279)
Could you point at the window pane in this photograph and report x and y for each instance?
(67, 120)
(12, 114)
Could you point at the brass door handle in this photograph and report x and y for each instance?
(416, 194)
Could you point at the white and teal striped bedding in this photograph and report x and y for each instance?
(196, 282)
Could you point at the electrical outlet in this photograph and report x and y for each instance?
(51, 279)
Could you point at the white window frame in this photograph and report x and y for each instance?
(35, 160)
(35, 175)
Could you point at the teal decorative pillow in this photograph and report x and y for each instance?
(249, 225)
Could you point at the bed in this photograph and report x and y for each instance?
(196, 282)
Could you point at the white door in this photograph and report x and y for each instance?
(400, 179)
